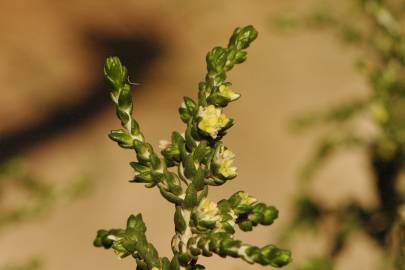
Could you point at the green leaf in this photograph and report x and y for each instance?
(125, 99)
(190, 141)
(145, 177)
(179, 222)
(189, 167)
(174, 264)
(139, 167)
(191, 197)
(216, 59)
(198, 179)
(217, 100)
(170, 196)
(122, 138)
(201, 151)
(203, 194)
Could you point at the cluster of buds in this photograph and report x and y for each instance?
(190, 163)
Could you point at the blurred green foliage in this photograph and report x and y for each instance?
(39, 196)
(35, 199)
(31, 264)
(375, 29)
(316, 264)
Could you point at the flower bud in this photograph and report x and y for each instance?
(275, 257)
(246, 225)
(270, 214)
(115, 72)
(102, 239)
(242, 37)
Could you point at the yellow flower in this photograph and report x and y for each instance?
(246, 199)
(208, 211)
(224, 159)
(226, 91)
(212, 120)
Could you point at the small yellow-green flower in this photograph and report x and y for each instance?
(224, 159)
(208, 211)
(246, 199)
(226, 91)
(212, 120)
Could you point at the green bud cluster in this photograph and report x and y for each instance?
(189, 164)
(250, 213)
(131, 241)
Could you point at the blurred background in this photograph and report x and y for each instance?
(55, 116)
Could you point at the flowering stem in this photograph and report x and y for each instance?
(202, 227)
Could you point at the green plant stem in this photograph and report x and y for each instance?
(202, 227)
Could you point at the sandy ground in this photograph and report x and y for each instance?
(45, 61)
